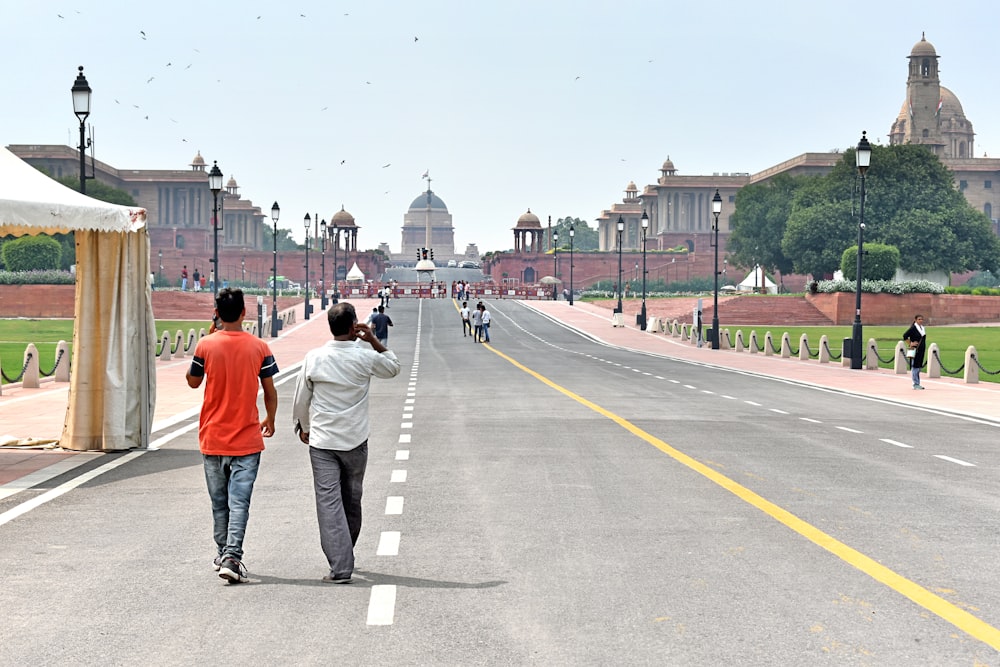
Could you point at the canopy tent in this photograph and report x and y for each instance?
(355, 273)
(113, 383)
(756, 279)
(549, 280)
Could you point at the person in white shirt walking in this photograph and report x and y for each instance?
(330, 412)
(487, 318)
(466, 324)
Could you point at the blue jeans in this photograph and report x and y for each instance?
(230, 483)
(915, 373)
(338, 479)
(486, 332)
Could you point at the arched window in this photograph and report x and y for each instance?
(180, 240)
(961, 149)
(925, 68)
(988, 210)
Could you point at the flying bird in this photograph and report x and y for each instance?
(386, 165)
(343, 161)
(141, 32)
(577, 79)
(60, 16)
(150, 79)
(415, 39)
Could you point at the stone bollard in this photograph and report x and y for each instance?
(933, 364)
(754, 347)
(971, 367)
(61, 371)
(900, 365)
(824, 349)
(803, 347)
(786, 346)
(768, 345)
(30, 379)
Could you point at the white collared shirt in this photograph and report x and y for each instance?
(331, 395)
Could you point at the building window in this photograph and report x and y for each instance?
(732, 198)
(962, 185)
(988, 184)
(988, 210)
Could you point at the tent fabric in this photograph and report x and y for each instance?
(112, 386)
(755, 280)
(355, 273)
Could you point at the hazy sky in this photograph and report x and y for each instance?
(552, 105)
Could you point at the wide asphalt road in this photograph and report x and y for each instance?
(541, 500)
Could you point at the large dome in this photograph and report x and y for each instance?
(420, 203)
(923, 48)
(950, 107)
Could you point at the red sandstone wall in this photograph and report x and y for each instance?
(888, 309)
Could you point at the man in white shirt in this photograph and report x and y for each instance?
(330, 411)
(466, 324)
(487, 318)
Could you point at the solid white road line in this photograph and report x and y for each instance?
(45, 474)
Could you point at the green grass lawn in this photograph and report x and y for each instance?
(15, 335)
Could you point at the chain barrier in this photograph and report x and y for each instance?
(809, 351)
(10, 380)
(980, 366)
(54, 366)
(773, 348)
(948, 370)
(833, 357)
(887, 360)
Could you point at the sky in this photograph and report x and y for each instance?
(549, 105)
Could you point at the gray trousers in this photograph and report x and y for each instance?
(338, 478)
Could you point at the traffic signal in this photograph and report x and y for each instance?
(432, 253)
(418, 254)
(424, 250)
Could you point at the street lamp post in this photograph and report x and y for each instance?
(243, 270)
(621, 228)
(555, 262)
(642, 314)
(863, 157)
(336, 242)
(307, 223)
(716, 210)
(160, 278)
(572, 233)
(215, 185)
(81, 107)
(275, 325)
(322, 266)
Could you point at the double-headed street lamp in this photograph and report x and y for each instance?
(81, 107)
(555, 262)
(215, 185)
(621, 229)
(642, 314)
(572, 233)
(863, 158)
(275, 325)
(716, 210)
(307, 222)
(322, 267)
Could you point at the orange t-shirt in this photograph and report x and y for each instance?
(232, 363)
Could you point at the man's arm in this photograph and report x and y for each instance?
(270, 405)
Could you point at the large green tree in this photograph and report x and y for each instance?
(584, 237)
(911, 202)
(758, 224)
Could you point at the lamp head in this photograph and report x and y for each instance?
(863, 155)
(621, 224)
(215, 178)
(275, 212)
(81, 96)
(717, 203)
(307, 222)
(645, 219)
(572, 231)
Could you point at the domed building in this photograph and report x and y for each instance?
(528, 233)
(428, 224)
(931, 114)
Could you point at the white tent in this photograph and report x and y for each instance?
(355, 273)
(756, 279)
(113, 382)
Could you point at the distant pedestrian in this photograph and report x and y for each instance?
(466, 324)
(184, 278)
(371, 316)
(487, 318)
(916, 341)
(477, 324)
(701, 340)
(231, 433)
(380, 325)
(197, 280)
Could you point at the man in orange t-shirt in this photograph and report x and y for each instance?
(230, 431)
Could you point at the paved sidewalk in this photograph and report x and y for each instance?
(39, 413)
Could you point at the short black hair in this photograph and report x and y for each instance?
(341, 318)
(229, 302)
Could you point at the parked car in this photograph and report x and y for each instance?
(467, 264)
(452, 263)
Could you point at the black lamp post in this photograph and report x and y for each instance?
(322, 267)
(243, 270)
(716, 210)
(863, 157)
(215, 185)
(275, 325)
(555, 262)
(642, 314)
(307, 223)
(621, 228)
(572, 233)
(81, 107)
(335, 235)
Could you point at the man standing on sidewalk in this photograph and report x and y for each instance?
(330, 411)
(230, 431)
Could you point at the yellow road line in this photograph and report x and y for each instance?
(935, 604)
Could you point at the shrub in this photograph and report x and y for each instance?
(878, 286)
(880, 262)
(31, 253)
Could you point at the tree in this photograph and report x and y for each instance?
(758, 224)
(285, 241)
(911, 203)
(98, 190)
(584, 238)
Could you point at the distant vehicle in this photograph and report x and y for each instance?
(467, 264)
(283, 283)
(452, 263)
